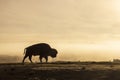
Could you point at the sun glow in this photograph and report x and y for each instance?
(113, 45)
(116, 7)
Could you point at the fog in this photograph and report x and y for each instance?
(85, 30)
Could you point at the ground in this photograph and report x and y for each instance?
(60, 71)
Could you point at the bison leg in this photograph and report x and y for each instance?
(30, 58)
(46, 57)
(40, 57)
(24, 58)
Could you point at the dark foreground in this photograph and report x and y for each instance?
(60, 71)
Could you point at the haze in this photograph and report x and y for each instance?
(78, 29)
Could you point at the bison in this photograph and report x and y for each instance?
(42, 49)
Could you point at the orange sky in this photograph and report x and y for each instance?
(80, 27)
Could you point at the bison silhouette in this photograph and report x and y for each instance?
(42, 50)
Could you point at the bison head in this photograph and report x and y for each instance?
(53, 53)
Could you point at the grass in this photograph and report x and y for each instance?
(60, 71)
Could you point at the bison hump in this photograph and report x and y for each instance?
(40, 46)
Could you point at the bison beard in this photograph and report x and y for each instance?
(43, 50)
